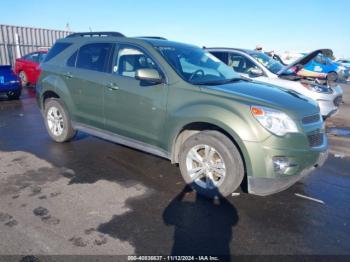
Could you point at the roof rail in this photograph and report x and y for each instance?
(152, 37)
(93, 34)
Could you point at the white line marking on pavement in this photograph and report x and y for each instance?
(310, 198)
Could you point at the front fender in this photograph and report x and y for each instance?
(236, 124)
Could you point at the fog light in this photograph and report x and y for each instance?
(280, 164)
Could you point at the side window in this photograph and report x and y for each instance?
(221, 55)
(42, 57)
(94, 56)
(129, 59)
(33, 57)
(27, 57)
(36, 57)
(71, 61)
(240, 63)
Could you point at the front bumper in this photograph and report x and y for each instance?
(263, 186)
(329, 103)
(9, 87)
(262, 177)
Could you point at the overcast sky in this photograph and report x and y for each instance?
(276, 25)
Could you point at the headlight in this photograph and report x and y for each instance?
(274, 121)
(317, 88)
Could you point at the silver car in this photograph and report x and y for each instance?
(260, 67)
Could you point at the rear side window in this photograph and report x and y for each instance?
(94, 56)
(71, 61)
(56, 49)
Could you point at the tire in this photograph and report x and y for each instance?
(225, 156)
(57, 121)
(14, 95)
(23, 77)
(332, 76)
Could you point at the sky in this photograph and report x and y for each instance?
(288, 25)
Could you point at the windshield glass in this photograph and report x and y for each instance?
(197, 66)
(270, 63)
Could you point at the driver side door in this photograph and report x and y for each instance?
(133, 108)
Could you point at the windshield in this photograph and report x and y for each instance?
(197, 66)
(270, 63)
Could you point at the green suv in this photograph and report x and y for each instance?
(179, 102)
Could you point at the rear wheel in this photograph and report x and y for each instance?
(211, 163)
(57, 121)
(24, 79)
(13, 95)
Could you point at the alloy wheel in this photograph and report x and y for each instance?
(205, 166)
(55, 121)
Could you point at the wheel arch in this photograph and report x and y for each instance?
(189, 129)
(48, 94)
(52, 86)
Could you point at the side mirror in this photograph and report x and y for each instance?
(256, 72)
(150, 75)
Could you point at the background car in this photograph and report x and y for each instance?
(27, 67)
(9, 82)
(289, 57)
(262, 68)
(323, 67)
(344, 69)
(344, 62)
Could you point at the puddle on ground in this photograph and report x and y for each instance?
(339, 131)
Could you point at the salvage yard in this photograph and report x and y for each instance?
(91, 196)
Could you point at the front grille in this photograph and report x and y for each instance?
(337, 101)
(311, 119)
(315, 139)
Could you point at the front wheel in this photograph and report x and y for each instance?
(211, 163)
(57, 121)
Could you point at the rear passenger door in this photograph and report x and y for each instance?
(84, 75)
(134, 108)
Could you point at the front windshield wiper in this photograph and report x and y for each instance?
(223, 82)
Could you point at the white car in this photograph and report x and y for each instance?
(260, 67)
(291, 57)
(344, 62)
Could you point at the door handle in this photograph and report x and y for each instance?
(68, 75)
(112, 86)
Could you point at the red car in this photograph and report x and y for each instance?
(27, 67)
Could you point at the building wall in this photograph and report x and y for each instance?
(16, 41)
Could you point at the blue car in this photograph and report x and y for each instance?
(323, 67)
(9, 82)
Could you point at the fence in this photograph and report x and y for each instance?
(16, 41)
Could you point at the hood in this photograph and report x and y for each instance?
(302, 61)
(272, 96)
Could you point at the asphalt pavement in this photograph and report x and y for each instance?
(92, 196)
